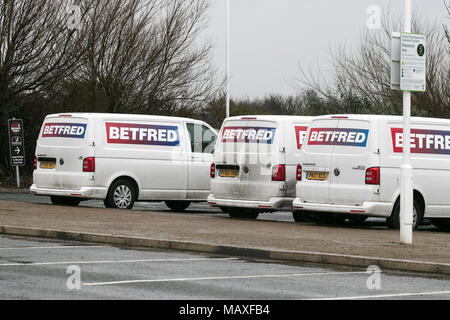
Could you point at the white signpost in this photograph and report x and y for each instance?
(408, 73)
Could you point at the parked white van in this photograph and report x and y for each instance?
(254, 164)
(122, 158)
(350, 168)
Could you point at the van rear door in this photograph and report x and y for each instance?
(353, 154)
(248, 150)
(63, 143)
(316, 161)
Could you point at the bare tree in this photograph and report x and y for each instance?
(36, 50)
(144, 56)
(447, 32)
(365, 71)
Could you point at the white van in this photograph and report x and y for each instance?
(350, 168)
(123, 158)
(254, 164)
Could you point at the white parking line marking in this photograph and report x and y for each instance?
(109, 261)
(393, 295)
(49, 247)
(223, 278)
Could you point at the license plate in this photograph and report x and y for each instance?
(228, 173)
(47, 165)
(317, 175)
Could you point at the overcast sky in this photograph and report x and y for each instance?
(270, 38)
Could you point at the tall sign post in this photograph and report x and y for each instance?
(408, 73)
(16, 145)
(227, 103)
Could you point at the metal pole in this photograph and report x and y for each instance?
(228, 60)
(406, 195)
(17, 177)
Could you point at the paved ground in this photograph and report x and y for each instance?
(201, 208)
(215, 229)
(37, 269)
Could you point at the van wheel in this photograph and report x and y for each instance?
(302, 216)
(357, 219)
(65, 201)
(441, 224)
(329, 218)
(177, 205)
(243, 213)
(224, 209)
(393, 221)
(121, 195)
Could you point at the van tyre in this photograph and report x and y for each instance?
(303, 216)
(243, 213)
(441, 224)
(177, 205)
(121, 195)
(65, 201)
(393, 221)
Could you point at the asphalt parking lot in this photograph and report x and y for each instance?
(48, 269)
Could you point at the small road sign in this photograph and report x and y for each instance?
(16, 142)
(412, 62)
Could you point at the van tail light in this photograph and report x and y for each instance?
(279, 173)
(212, 172)
(373, 175)
(35, 162)
(298, 173)
(89, 164)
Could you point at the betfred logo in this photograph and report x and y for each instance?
(300, 135)
(132, 133)
(248, 134)
(422, 141)
(338, 137)
(64, 130)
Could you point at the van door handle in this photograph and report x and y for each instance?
(359, 168)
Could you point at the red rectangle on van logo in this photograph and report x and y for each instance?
(422, 141)
(133, 133)
(300, 135)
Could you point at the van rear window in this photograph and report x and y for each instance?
(64, 130)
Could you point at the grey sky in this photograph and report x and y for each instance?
(269, 38)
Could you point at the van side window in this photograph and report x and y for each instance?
(202, 138)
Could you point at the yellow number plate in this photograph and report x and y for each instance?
(47, 165)
(229, 173)
(317, 175)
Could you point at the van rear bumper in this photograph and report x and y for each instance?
(83, 192)
(372, 209)
(274, 203)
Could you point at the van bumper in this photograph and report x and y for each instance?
(274, 203)
(372, 209)
(83, 192)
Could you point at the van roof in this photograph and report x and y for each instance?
(269, 117)
(118, 116)
(377, 117)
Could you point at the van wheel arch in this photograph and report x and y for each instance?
(131, 180)
(109, 201)
(393, 221)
